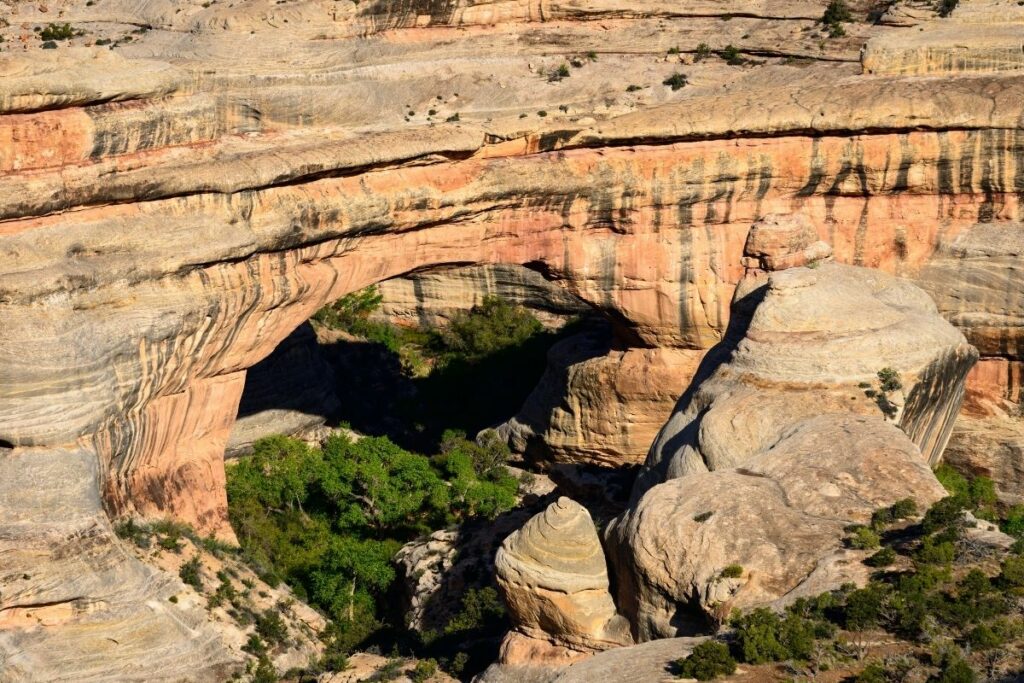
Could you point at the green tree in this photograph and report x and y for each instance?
(493, 325)
(708, 660)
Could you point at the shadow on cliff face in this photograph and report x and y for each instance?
(377, 396)
(338, 378)
(742, 311)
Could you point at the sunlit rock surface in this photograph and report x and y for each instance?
(553, 575)
(175, 203)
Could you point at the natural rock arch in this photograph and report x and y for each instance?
(141, 319)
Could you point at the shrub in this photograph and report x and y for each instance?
(872, 673)
(492, 326)
(732, 571)
(883, 558)
(951, 480)
(59, 32)
(633, 88)
(946, 7)
(1013, 521)
(189, 573)
(954, 670)
(673, 50)
(983, 637)
(480, 608)
(881, 518)
(935, 552)
(350, 310)
(982, 491)
(836, 13)
(254, 645)
(1012, 572)
(944, 513)
(863, 538)
(731, 55)
(903, 509)
(708, 660)
(271, 627)
(459, 662)
(763, 636)
(836, 31)
(560, 73)
(136, 533)
(864, 606)
(702, 53)
(675, 81)
(703, 517)
(265, 672)
(424, 670)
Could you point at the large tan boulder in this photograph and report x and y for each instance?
(793, 437)
(815, 345)
(600, 406)
(554, 577)
(780, 518)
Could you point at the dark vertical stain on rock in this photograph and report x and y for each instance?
(817, 174)
(691, 190)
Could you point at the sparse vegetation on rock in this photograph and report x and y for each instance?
(676, 81)
(836, 14)
(941, 595)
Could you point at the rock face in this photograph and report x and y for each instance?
(814, 345)
(780, 517)
(643, 663)
(785, 444)
(431, 298)
(978, 285)
(780, 241)
(553, 574)
(985, 37)
(598, 406)
(172, 206)
(63, 571)
(291, 391)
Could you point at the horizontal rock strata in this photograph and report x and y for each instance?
(174, 202)
(553, 575)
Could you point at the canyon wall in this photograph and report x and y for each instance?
(177, 199)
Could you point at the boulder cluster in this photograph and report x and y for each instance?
(831, 398)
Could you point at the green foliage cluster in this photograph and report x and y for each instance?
(889, 381)
(763, 636)
(480, 606)
(352, 311)
(946, 7)
(60, 32)
(453, 369)
(676, 81)
(863, 538)
(708, 661)
(189, 573)
(493, 326)
(732, 571)
(836, 14)
(424, 670)
(329, 521)
(168, 535)
(939, 596)
(731, 54)
(562, 72)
